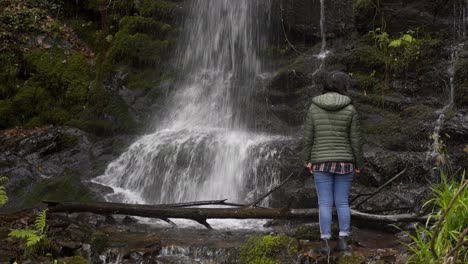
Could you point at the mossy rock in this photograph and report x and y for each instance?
(461, 82)
(351, 259)
(51, 88)
(73, 260)
(98, 242)
(270, 249)
(406, 129)
(363, 58)
(66, 189)
(363, 6)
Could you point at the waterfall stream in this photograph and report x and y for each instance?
(459, 33)
(204, 148)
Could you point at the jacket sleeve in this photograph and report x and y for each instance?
(356, 140)
(308, 139)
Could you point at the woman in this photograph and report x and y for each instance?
(333, 152)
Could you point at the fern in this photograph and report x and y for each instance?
(3, 195)
(32, 237)
(40, 222)
(22, 233)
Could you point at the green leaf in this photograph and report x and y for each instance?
(3, 196)
(33, 240)
(395, 43)
(22, 233)
(40, 222)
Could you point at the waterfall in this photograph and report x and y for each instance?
(322, 27)
(203, 149)
(459, 30)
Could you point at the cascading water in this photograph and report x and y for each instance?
(459, 32)
(322, 26)
(203, 149)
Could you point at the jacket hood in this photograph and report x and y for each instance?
(331, 101)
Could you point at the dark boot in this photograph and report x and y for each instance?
(324, 247)
(342, 244)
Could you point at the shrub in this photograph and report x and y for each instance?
(445, 241)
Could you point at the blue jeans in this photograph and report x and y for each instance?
(333, 187)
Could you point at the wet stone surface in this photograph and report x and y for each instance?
(94, 238)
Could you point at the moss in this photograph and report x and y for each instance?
(138, 50)
(145, 25)
(98, 242)
(269, 250)
(66, 189)
(55, 89)
(351, 259)
(159, 9)
(73, 260)
(7, 114)
(399, 131)
(363, 58)
(361, 6)
(107, 114)
(311, 232)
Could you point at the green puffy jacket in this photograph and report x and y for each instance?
(332, 131)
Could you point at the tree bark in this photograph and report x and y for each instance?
(201, 214)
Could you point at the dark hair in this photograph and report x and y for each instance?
(336, 82)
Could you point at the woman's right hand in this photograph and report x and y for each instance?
(310, 167)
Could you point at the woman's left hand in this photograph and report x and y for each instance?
(310, 167)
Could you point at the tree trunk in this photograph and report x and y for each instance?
(201, 214)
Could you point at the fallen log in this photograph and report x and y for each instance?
(202, 214)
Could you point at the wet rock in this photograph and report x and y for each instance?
(288, 95)
(381, 165)
(435, 16)
(302, 18)
(129, 220)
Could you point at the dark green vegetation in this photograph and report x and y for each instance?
(60, 61)
(269, 250)
(445, 240)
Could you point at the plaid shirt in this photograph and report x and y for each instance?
(334, 167)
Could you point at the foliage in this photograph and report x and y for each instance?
(3, 194)
(444, 237)
(49, 79)
(54, 89)
(32, 237)
(445, 241)
(399, 53)
(269, 249)
(363, 5)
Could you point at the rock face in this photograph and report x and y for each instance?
(51, 163)
(302, 18)
(432, 16)
(398, 117)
